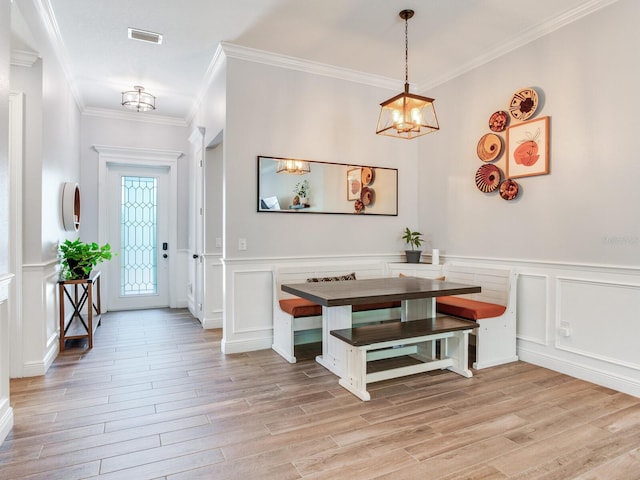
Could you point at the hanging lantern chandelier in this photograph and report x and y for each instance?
(407, 115)
(293, 167)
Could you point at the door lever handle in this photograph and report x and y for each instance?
(164, 255)
(195, 255)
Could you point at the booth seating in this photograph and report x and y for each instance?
(297, 321)
(494, 309)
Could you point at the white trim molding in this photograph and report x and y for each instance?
(23, 58)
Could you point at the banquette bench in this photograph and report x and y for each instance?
(494, 308)
(297, 321)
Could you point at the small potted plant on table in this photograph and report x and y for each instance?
(79, 258)
(414, 240)
(302, 192)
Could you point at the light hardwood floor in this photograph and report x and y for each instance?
(156, 399)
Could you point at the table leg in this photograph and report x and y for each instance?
(90, 315)
(61, 300)
(333, 350)
(417, 309)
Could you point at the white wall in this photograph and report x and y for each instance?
(28, 80)
(574, 235)
(51, 157)
(587, 209)
(299, 115)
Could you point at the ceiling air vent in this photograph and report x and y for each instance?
(144, 36)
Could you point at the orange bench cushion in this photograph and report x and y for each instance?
(300, 307)
(467, 308)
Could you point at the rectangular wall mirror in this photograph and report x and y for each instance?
(330, 187)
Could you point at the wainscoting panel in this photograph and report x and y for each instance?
(213, 303)
(40, 324)
(253, 298)
(532, 309)
(596, 319)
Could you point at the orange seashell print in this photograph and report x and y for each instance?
(526, 153)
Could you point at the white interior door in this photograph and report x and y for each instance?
(138, 230)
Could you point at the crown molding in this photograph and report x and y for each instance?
(23, 58)
(307, 66)
(135, 117)
(45, 11)
(529, 35)
(217, 61)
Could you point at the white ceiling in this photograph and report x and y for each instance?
(446, 38)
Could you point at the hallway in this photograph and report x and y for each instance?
(156, 399)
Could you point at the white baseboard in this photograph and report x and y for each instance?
(246, 345)
(212, 321)
(6, 422)
(621, 383)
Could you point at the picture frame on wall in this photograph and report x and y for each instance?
(528, 148)
(354, 183)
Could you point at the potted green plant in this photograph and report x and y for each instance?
(78, 258)
(302, 191)
(414, 240)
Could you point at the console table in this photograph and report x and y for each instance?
(80, 293)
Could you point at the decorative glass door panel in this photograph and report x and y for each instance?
(138, 233)
(138, 260)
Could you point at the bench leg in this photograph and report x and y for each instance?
(354, 377)
(457, 348)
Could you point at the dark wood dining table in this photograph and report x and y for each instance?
(417, 297)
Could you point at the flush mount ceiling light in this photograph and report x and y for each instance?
(293, 167)
(138, 100)
(407, 115)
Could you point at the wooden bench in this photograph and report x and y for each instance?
(297, 321)
(414, 338)
(494, 309)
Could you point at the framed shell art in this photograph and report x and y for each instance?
(354, 183)
(528, 148)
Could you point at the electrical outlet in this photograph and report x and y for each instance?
(565, 329)
(242, 244)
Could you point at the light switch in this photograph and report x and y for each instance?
(242, 244)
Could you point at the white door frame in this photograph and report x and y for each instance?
(139, 157)
(16, 139)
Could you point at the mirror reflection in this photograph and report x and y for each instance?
(287, 185)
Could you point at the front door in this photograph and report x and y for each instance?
(138, 231)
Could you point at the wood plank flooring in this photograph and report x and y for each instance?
(156, 399)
